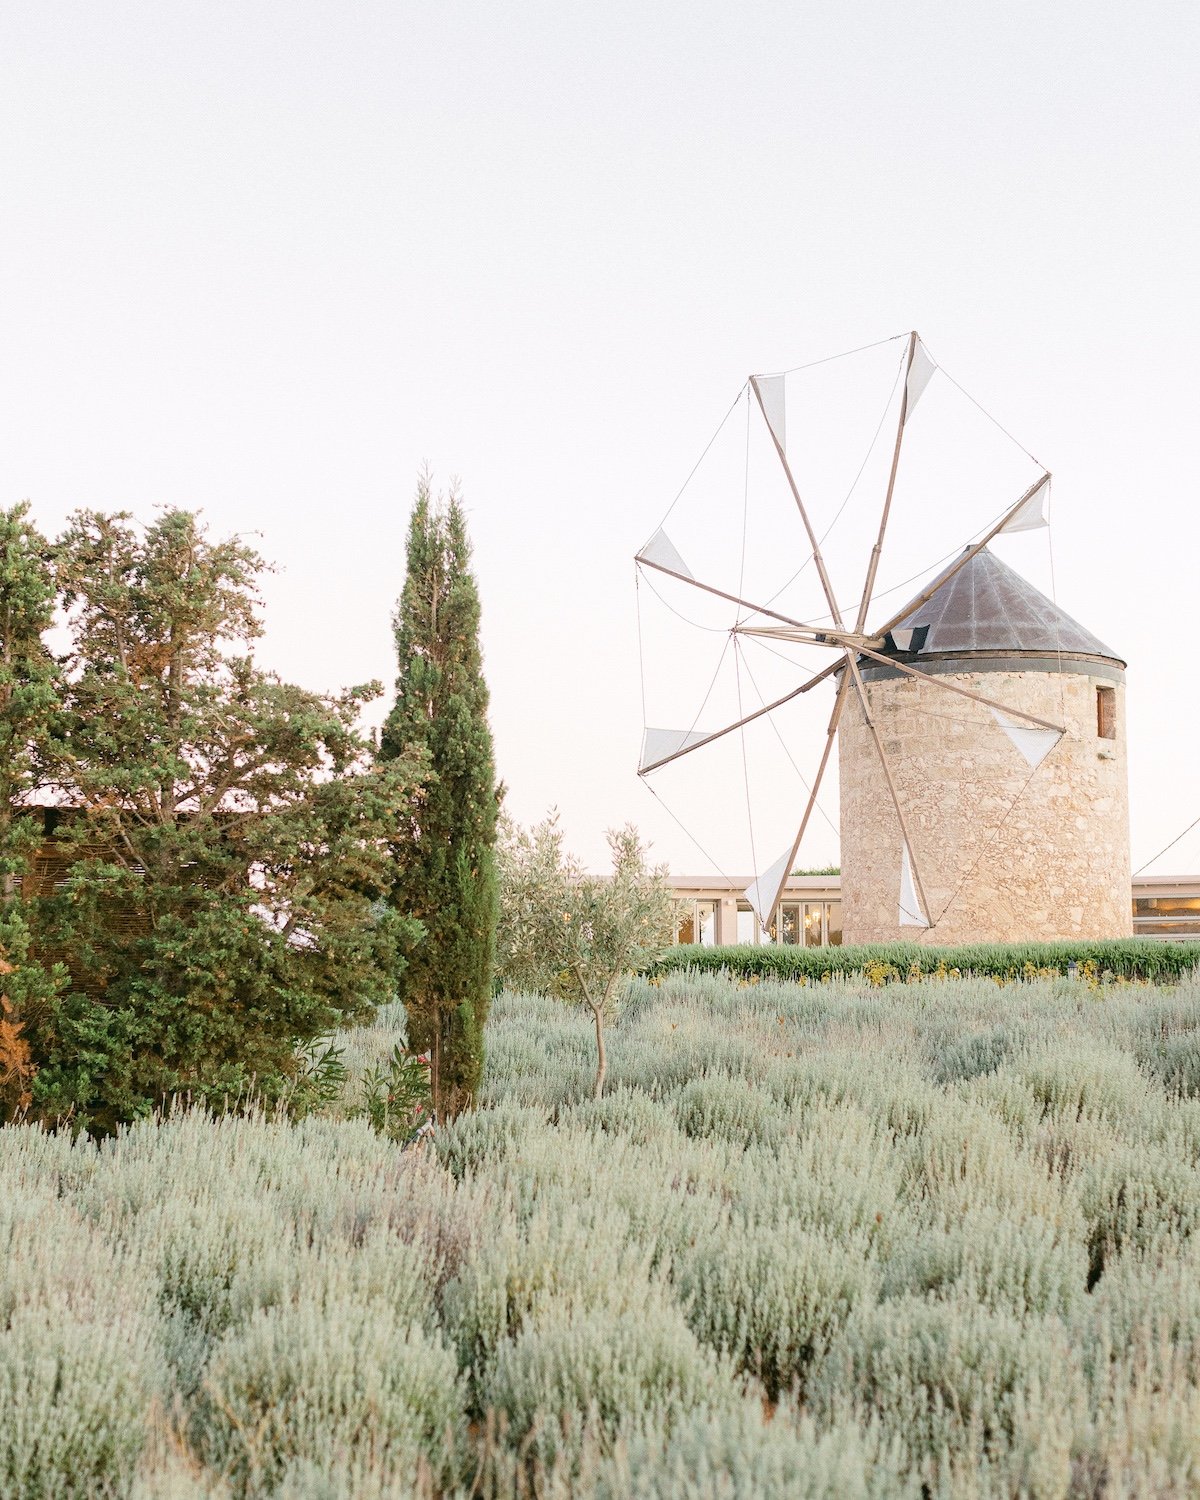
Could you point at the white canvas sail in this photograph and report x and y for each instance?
(1034, 744)
(661, 744)
(910, 903)
(920, 372)
(1032, 514)
(763, 893)
(662, 552)
(772, 394)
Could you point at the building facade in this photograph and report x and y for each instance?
(713, 911)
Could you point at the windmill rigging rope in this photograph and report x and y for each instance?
(831, 358)
(1062, 687)
(825, 535)
(678, 613)
(983, 409)
(688, 834)
(745, 391)
(637, 595)
(642, 665)
(1171, 845)
(783, 744)
(745, 762)
(986, 845)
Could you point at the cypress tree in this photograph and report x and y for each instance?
(445, 858)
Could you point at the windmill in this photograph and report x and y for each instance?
(976, 647)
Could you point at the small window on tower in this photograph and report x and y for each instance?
(1106, 713)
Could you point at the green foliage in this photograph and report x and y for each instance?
(29, 687)
(443, 851)
(396, 1094)
(564, 932)
(1121, 958)
(226, 834)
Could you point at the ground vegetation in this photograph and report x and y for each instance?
(814, 1241)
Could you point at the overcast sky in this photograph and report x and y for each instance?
(269, 259)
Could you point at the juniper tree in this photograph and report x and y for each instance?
(228, 833)
(445, 854)
(28, 700)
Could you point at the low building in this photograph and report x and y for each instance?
(714, 911)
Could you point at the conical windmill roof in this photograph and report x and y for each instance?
(985, 606)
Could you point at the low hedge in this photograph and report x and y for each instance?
(1121, 958)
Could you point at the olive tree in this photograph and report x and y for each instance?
(566, 932)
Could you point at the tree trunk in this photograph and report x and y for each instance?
(601, 1055)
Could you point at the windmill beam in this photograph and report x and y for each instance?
(830, 734)
(877, 550)
(968, 555)
(717, 734)
(817, 556)
(811, 635)
(953, 687)
(707, 588)
(887, 772)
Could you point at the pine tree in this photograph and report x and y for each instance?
(445, 859)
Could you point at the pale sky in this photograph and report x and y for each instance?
(269, 259)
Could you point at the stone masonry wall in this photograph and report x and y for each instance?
(1006, 854)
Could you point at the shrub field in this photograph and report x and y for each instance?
(936, 1239)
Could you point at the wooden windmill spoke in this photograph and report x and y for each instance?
(707, 588)
(830, 737)
(887, 772)
(717, 734)
(817, 556)
(953, 687)
(970, 553)
(877, 550)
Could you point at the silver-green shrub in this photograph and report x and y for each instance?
(956, 1220)
(298, 1382)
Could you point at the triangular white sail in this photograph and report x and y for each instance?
(920, 373)
(1032, 513)
(764, 892)
(904, 638)
(910, 903)
(661, 744)
(661, 550)
(1034, 744)
(771, 393)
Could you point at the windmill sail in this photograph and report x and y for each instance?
(1031, 515)
(920, 372)
(662, 744)
(1034, 744)
(662, 552)
(771, 393)
(911, 914)
(764, 892)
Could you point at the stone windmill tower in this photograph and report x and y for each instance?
(1012, 847)
(980, 730)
